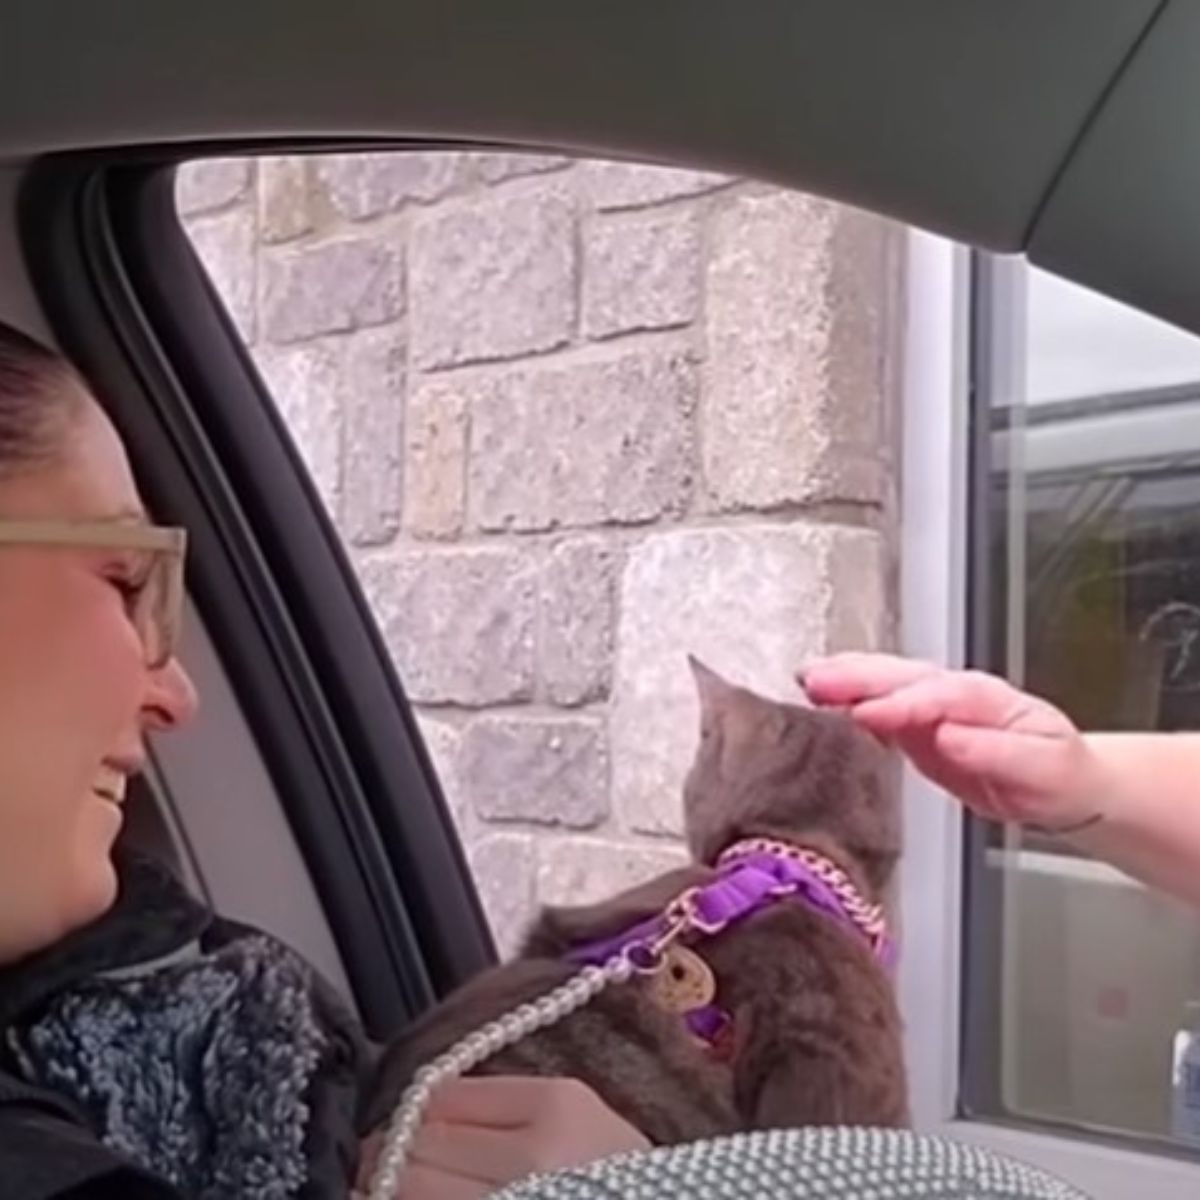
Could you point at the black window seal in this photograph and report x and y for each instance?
(979, 1050)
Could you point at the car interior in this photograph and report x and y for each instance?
(305, 800)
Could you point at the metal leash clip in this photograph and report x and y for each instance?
(649, 955)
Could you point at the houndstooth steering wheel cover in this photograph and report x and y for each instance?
(803, 1164)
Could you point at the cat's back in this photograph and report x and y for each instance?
(814, 1015)
(640, 1060)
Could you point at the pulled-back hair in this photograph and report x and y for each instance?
(35, 399)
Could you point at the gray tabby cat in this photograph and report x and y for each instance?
(787, 1016)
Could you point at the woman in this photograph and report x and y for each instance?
(150, 1049)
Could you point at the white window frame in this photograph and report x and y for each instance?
(933, 578)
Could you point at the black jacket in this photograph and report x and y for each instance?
(48, 1149)
(75, 1047)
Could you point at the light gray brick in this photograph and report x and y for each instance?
(305, 382)
(795, 388)
(435, 463)
(548, 771)
(753, 602)
(504, 867)
(372, 399)
(493, 279)
(641, 273)
(583, 444)
(495, 168)
(460, 623)
(362, 185)
(285, 209)
(210, 183)
(332, 287)
(577, 613)
(225, 244)
(573, 871)
(612, 185)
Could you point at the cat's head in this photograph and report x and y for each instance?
(768, 769)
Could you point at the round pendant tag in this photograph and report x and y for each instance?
(685, 982)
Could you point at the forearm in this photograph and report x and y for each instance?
(1148, 788)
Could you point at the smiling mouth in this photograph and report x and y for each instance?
(111, 787)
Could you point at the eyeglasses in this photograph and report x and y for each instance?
(156, 597)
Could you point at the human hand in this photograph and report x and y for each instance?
(1005, 754)
(482, 1133)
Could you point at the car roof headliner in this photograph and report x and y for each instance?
(1056, 127)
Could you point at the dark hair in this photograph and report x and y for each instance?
(35, 399)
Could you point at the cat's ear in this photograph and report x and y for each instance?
(714, 690)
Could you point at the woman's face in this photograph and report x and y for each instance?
(76, 696)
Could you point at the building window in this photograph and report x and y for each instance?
(1084, 588)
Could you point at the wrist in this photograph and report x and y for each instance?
(1107, 789)
(1092, 800)
(1082, 825)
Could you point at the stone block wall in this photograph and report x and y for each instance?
(575, 420)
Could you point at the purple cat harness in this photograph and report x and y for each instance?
(751, 876)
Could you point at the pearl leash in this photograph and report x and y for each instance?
(468, 1052)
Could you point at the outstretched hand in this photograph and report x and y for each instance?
(1005, 754)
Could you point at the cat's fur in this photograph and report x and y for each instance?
(816, 1032)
